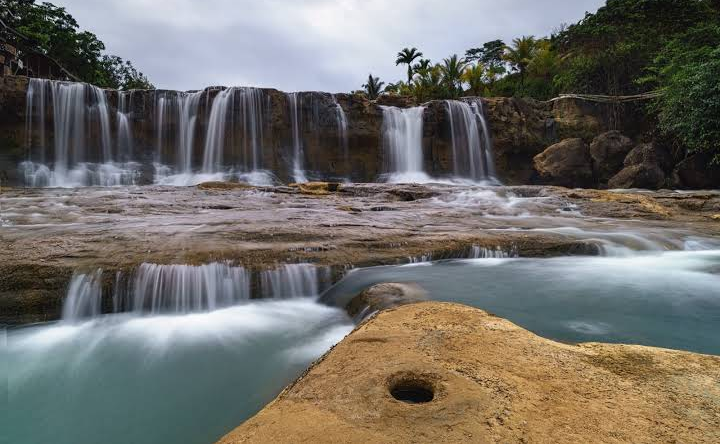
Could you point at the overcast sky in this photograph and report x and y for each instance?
(294, 45)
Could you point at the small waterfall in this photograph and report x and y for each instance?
(84, 296)
(35, 109)
(222, 105)
(478, 252)
(182, 109)
(186, 288)
(402, 132)
(342, 126)
(298, 172)
(155, 289)
(289, 281)
(124, 132)
(81, 115)
(253, 119)
(471, 143)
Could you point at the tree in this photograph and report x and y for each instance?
(520, 54)
(422, 65)
(373, 87)
(51, 31)
(407, 57)
(490, 55)
(474, 76)
(452, 70)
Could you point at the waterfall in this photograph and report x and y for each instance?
(470, 137)
(186, 288)
(298, 172)
(342, 127)
(35, 108)
(216, 132)
(477, 252)
(292, 280)
(402, 132)
(252, 118)
(182, 109)
(84, 296)
(155, 289)
(124, 132)
(81, 115)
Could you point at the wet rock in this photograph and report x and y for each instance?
(644, 175)
(223, 186)
(567, 163)
(382, 297)
(316, 188)
(608, 151)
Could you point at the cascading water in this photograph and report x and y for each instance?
(186, 288)
(84, 296)
(176, 146)
(124, 132)
(155, 289)
(222, 105)
(471, 142)
(342, 127)
(82, 149)
(298, 173)
(402, 132)
(290, 281)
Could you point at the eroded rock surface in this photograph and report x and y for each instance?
(468, 376)
(48, 234)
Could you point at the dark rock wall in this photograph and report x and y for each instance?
(521, 129)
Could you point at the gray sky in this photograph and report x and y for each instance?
(328, 45)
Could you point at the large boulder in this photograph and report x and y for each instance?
(608, 151)
(645, 167)
(697, 172)
(644, 175)
(567, 164)
(382, 297)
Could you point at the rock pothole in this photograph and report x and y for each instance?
(412, 389)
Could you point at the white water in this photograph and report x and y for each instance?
(342, 127)
(291, 281)
(222, 105)
(298, 172)
(471, 142)
(124, 131)
(402, 132)
(156, 289)
(158, 379)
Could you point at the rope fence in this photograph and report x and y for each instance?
(610, 99)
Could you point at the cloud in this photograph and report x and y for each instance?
(328, 45)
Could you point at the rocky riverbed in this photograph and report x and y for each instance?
(48, 234)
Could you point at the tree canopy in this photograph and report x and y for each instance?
(51, 31)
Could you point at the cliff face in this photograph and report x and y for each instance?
(340, 136)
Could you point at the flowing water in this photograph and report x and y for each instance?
(665, 299)
(185, 357)
(470, 138)
(402, 132)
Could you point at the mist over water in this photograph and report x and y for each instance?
(147, 379)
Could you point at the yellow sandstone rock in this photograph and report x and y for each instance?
(475, 377)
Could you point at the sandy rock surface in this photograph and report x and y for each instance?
(490, 381)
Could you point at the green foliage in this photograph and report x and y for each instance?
(373, 87)
(606, 52)
(687, 71)
(406, 57)
(490, 55)
(54, 32)
(452, 70)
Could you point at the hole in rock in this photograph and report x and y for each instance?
(412, 391)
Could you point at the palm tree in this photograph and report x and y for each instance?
(407, 57)
(373, 87)
(520, 54)
(452, 70)
(474, 76)
(422, 65)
